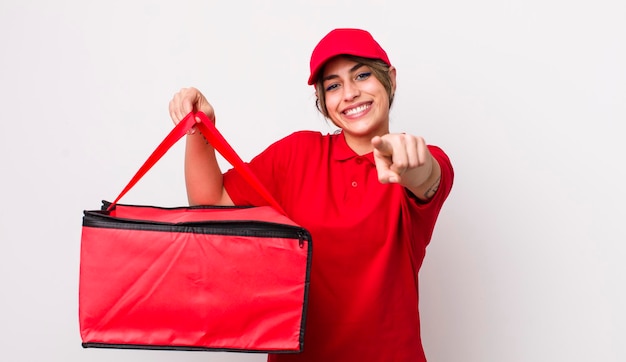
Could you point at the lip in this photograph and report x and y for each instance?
(366, 106)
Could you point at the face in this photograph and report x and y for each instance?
(355, 99)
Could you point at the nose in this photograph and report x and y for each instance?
(350, 91)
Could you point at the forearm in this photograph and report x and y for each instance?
(203, 177)
(424, 181)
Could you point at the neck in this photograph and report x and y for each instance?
(361, 145)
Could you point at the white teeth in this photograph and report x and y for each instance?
(356, 110)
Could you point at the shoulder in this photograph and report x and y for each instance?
(302, 140)
(307, 136)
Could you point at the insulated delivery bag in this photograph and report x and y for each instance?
(209, 278)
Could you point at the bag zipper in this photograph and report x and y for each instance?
(231, 228)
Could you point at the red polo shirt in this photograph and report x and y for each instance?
(369, 241)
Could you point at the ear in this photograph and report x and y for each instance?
(392, 76)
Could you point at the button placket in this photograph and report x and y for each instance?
(359, 161)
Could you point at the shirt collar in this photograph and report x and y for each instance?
(343, 152)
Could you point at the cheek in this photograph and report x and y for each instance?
(332, 102)
(331, 111)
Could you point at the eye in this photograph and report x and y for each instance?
(331, 87)
(363, 76)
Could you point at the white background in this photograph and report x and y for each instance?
(527, 97)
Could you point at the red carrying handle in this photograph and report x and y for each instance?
(212, 135)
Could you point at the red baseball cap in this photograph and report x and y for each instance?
(345, 41)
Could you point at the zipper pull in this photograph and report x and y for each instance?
(301, 239)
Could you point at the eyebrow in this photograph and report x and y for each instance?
(353, 69)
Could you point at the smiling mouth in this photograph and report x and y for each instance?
(357, 110)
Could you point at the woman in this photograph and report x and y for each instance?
(370, 200)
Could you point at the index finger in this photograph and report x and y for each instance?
(383, 146)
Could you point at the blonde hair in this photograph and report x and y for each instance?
(380, 70)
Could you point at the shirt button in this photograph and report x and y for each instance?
(359, 160)
(354, 184)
